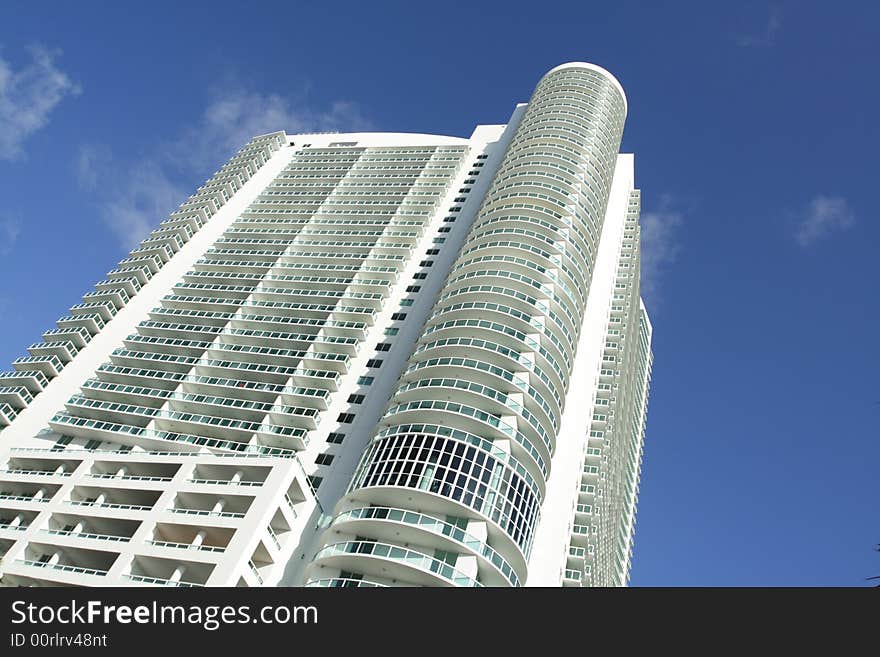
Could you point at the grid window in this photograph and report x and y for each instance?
(61, 443)
(356, 399)
(335, 438)
(444, 229)
(407, 302)
(324, 459)
(314, 482)
(345, 418)
(426, 263)
(383, 346)
(375, 362)
(413, 288)
(392, 331)
(398, 316)
(432, 252)
(365, 380)
(420, 276)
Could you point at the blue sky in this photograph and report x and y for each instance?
(753, 128)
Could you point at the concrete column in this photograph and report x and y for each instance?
(177, 574)
(199, 539)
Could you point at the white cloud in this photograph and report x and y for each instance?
(660, 246)
(766, 36)
(825, 215)
(28, 96)
(10, 229)
(134, 198)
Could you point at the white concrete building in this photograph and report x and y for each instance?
(359, 359)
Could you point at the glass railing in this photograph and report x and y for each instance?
(341, 582)
(255, 571)
(203, 512)
(100, 537)
(437, 526)
(185, 546)
(62, 567)
(158, 580)
(403, 556)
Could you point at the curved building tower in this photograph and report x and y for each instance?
(466, 481)
(359, 359)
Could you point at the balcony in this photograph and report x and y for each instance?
(70, 529)
(121, 499)
(391, 561)
(211, 505)
(156, 571)
(174, 536)
(64, 565)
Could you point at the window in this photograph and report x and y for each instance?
(324, 459)
(420, 276)
(93, 445)
(336, 438)
(314, 481)
(482, 157)
(464, 190)
(444, 229)
(61, 443)
(440, 240)
(455, 208)
(412, 288)
(398, 316)
(432, 252)
(460, 199)
(470, 181)
(426, 263)
(407, 302)
(391, 331)
(345, 418)
(375, 362)
(449, 219)
(365, 380)
(356, 399)
(383, 346)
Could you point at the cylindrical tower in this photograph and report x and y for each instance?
(450, 489)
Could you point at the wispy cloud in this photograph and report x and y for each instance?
(660, 245)
(133, 197)
(824, 216)
(766, 35)
(28, 96)
(10, 229)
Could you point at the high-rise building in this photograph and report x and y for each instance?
(358, 359)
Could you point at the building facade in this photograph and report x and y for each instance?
(361, 359)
